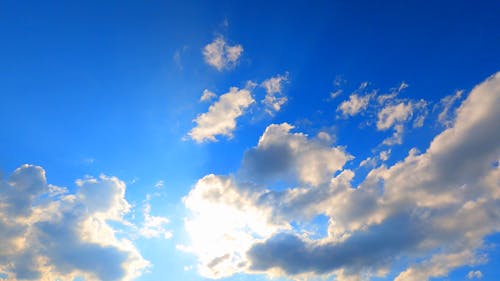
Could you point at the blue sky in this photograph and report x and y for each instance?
(192, 140)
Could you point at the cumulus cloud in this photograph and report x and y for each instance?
(64, 236)
(221, 116)
(281, 153)
(221, 55)
(423, 216)
(274, 98)
(354, 105)
(447, 197)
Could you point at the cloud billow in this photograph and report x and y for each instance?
(51, 236)
(419, 218)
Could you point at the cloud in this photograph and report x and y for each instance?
(223, 225)
(221, 55)
(281, 153)
(397, 136)
(423, 216)
(67, 235)
(274, 98)
(393, 114)
(207, 95)
(445, 118)
(221, 116)
(354, 105)
(446, 197)
(475, 274)
(154, 226)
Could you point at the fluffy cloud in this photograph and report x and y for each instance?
(221, 116)
(421, 217)
(393, 114)
(50, 236)
(354, 105)
(447, 198)
(221, 55)
(274, 98)
(280, 153)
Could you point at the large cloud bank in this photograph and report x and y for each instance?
(419, 218)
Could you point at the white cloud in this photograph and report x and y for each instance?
(393, 114)
(475, 274)
(221, 116)
(207, 95)
(354, 105)
(221, 55)
(445, 117)
(384, 98)
(443, 203)
(64, 236)
(274, 98)
(384, 155)
(368, 162)
(154, 226)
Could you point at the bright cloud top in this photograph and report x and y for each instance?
(49, 234)
(221, 116)
(221, 55)
(419, 218)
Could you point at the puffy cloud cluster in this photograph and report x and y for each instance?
(221, 116)
(274, 98)
(49, 234)
(221, 55)
(390, 111)
(419, 218)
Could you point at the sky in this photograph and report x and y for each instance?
(257, 140)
